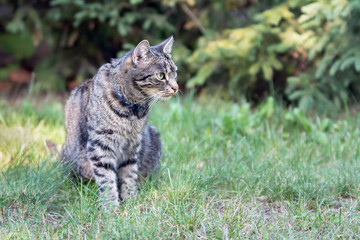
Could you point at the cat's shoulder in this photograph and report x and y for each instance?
(103, 71)
(82, 90)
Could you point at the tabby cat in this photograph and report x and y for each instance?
(107, 136)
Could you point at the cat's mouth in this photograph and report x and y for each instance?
(166, 96)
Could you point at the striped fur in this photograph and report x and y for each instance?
(107, 141)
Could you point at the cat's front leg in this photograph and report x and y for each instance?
(105, 173)
(128, 174)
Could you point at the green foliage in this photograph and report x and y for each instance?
(80, 35)
(306, 51)
(120, 15)
(331, 30)
(249, 53)
(21, 46)
(312, 45)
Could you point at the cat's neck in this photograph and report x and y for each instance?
(124, 97)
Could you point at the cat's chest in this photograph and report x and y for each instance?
(127, 141)
(130, 129)
(131, 126)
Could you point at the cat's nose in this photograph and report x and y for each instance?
(174, 86)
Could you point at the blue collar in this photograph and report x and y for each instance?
(133, 107)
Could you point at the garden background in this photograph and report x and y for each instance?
(263, 141)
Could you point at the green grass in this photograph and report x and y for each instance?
(228, 172)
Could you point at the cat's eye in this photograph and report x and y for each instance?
(160, 76)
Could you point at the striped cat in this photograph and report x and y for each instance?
(107, 136)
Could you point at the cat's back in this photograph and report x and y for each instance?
(78, 101)
(75, 118)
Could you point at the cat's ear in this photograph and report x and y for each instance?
(166, 46)
(142, 53)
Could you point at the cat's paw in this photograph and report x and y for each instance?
(125, 195)
(110, 206)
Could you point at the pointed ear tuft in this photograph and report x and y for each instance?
(141, 53)
(166, 46)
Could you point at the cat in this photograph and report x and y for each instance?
(107, 137)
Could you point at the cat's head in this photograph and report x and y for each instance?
(152, 70)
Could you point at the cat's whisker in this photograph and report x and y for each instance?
(152, 102)
(155, 96)
(177, 95)
(146, 99)
(148, 103)
(156, 99)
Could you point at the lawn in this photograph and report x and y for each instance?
(228, 172)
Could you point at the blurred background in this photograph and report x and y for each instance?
(306, 53)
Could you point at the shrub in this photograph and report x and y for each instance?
(306, 51)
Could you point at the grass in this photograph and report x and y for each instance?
(228, 172)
